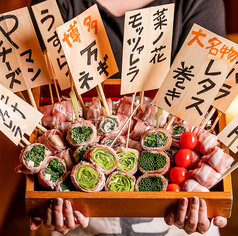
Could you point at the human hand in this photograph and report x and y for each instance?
(59, 216)
(191, 215)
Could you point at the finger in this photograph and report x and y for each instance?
(81, 219)
(181, 213)
(48, 217)
(220, 221)
(35, 223)
(203, 221)
(192, 220)
(170, 218)
(68, 214)
(58, 219)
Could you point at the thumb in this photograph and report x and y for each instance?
(35, 223)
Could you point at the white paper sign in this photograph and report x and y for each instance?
(29, 114)
(12, 125)
(146, 48)
(229, 133)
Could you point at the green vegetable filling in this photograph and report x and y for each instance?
(179, 130)
(55, 169)
(120, 183)
(67, 184)
(151, 184)
(80, 153)
(87, 177)
(81, 134)
(155, 139)
(107, 124)
(103, 158)
(36, 154)
(126, 160)
(150, 161)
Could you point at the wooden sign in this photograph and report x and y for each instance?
(48, 18)
(28, 114)
(87, 50)
(197, 74)
(147, 48)
(229, 133)
(10, 73)
(11, 124)
(228, 90)
(22, 37)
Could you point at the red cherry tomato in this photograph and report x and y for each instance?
(177, 175)
(188, 140)
(173, 187)
(183, 158)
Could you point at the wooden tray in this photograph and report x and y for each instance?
(130, 204)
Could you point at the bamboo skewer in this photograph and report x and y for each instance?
(101, 96)
(124, 125)
(51, 95)
(129, 125)
(210, 114)
(170, 122)
(215, 122)
(141, 99)
(51, 74)
(25, 141)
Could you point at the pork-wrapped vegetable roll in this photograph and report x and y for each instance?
(151, 183)
(176, 130)
(87, 177)
(104, 157)
(65, 183)
(127, 160)
(107, 124)
(108, 139)
(120, 182)
(53, 170)
(53, 139)
(32, 158)
(81, 133)
(79, 152)
(154, 162)
(157, 139)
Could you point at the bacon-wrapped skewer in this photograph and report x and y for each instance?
(218, 160)
(107, 124)
(104, 157)
(151, 183)
(127, 160)
(67, 156)
(206, 141)
(87, 177)
(32, 158)
(120, 182)
(52, 171)
(148, 114)
(154, 162)
(65, 183)
(53, 140)
(81, 133)
(191, 185)
(157, 139)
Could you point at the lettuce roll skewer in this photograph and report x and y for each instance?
(120, 182)
(104, 157)
(87, 177)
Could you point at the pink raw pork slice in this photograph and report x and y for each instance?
(32, 158)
